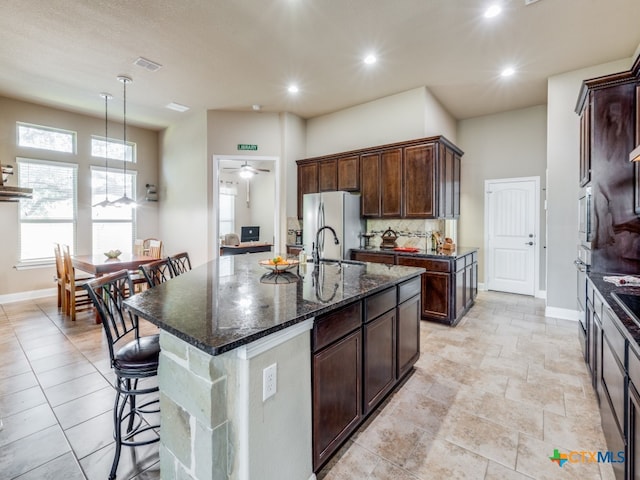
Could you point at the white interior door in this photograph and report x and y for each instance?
(511, 234)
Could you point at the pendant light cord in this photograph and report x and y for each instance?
(124, 150)
(106, 153)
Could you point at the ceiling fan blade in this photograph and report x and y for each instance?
(263, 169)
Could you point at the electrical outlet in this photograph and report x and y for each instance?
(269, 381)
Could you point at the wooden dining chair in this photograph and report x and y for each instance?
(180, 263)
(76, 297)
(59, 278)
(138, 246)
(157, 272)
(154, 248)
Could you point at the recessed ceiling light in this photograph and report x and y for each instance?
(508, 71)
(177, 107)
(492, 11)
(370, 59)
(293, 88)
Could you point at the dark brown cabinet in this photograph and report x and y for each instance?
(360, 353)
(419, 181)
(633, 416)
(379, 358)
(446, 293)
(349, 173)
(390, 183)
(337, 394)
(415, 179)
(307, 182)
(370, 185)
(408, 334)
(328, 175)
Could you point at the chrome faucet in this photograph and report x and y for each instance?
(315, 252)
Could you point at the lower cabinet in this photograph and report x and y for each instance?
(633, 416)
(408, 335)
(379, 359)
(449, 286)
(337, 395)
(360, 353)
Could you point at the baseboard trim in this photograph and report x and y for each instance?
(563, 313)
(541, 294)
(482, 287)
(30, 295)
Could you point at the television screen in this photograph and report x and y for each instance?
(249, 234)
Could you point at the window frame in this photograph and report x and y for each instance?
(130, 147)
(131, 192)
(49, 260)
(46, 128)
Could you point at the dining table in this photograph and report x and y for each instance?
(100, 264)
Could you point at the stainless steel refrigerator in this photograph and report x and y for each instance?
(339, 210)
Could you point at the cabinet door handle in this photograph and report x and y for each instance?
(528, 243)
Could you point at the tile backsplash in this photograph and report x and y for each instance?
(411, 233)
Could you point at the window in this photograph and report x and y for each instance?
(112, 227)
(227, 208)
(50, 216)
(47, 138)
(113, 148)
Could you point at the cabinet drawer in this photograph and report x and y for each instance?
(377, 304)
(429, 264)
(331, 327)
(386, 258)
(615, 338)
(613, 379)
(460, 263)
(597, 303)
(408, 289)
(634, 368)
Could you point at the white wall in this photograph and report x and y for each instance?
(404, 116)
(563, 140)
(12, 111)
(184, 188)
(504, 145)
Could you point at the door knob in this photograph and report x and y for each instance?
(528, 243)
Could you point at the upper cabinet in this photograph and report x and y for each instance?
(307, 181)
(349, 173)
(415, 179)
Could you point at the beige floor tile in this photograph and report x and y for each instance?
(388, 471)
(533, 460)
(574, 433)
(511, 414)
(539, 395)
(352, 462)
(483, 437)
(495, 471)
(420, 410)
(510, 367)
(439, 459)
(390, 437)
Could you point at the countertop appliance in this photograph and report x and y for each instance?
(339, 210)
(630, 304)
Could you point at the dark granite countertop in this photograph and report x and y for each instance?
(233, 301)
(459, 252)
(606, 289)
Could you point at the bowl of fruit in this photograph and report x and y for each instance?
(279, 264)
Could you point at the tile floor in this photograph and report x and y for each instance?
(489, 399)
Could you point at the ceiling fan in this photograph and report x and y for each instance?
(246, 171)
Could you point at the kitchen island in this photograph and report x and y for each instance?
(226, 322)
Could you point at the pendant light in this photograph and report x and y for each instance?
(105, 202)
(125, 201)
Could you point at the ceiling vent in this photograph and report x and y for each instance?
(147, 64)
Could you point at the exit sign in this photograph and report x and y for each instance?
(246, 146)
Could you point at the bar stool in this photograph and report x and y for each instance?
(180, 263)
(157, 272)
(133, 358)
